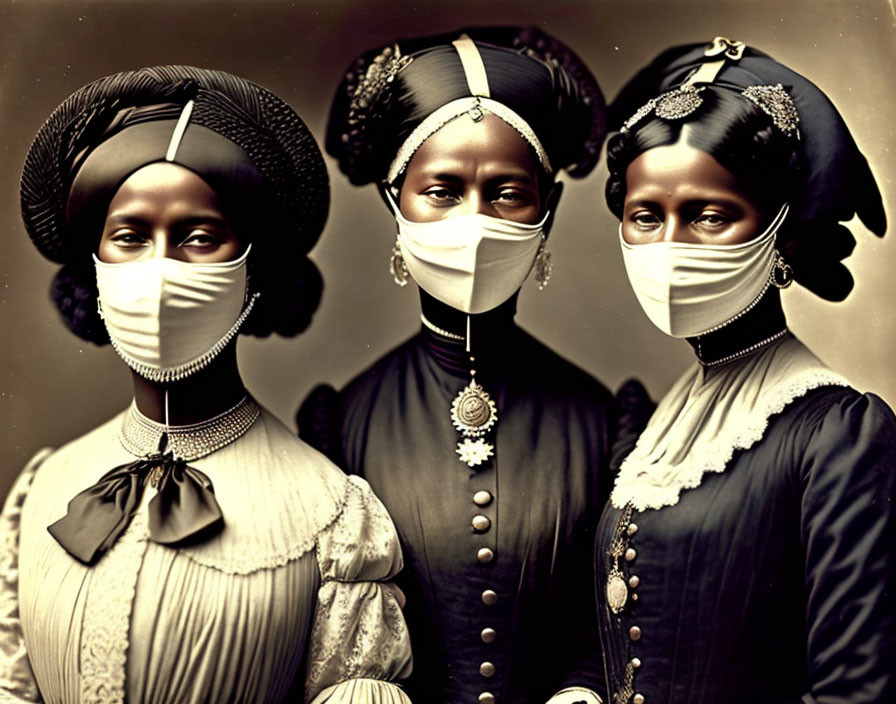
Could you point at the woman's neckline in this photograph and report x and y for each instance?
(445, 332)
(749, 332)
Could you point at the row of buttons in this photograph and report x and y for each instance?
(634, 632)
(481, 524)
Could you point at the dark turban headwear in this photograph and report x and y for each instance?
(244, 141)
(834, 181)
(388, 92)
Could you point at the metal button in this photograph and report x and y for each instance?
(634, 633)
(486, 698)
(489, 597)
(482, 498)
(638, 699)
(481, 523)
(632, 528)
(634, 581)
(487, 669)
(485, 555)
(630, 554)
(488, 635)
(635, 596)
(636, 663)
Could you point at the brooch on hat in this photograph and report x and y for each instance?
(675, 104)
(370, 82)
(680, 102)
(671, 105)
(775, 102)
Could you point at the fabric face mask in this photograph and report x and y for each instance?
(689, 289)
(470, 262)
(167, 318)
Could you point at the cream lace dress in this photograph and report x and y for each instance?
(291, 599)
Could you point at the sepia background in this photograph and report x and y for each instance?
(53, 387)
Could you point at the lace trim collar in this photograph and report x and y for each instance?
(707, 416)
(140, 435)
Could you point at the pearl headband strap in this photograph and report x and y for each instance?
(475, 105)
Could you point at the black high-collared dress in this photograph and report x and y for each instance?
(774, 580)
(498, 558)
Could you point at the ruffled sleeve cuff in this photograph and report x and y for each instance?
(17, 683)
(575, 695)
(362, 691)
(359, 634)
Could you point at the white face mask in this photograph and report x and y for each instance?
(167, 318)
(690, 289)
(470, 262)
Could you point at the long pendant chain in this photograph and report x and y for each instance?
(474, 414)
(617, 588)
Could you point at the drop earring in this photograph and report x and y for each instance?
(782, 272)
(397, 266)
(543, 266)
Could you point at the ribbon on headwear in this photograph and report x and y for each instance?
(184, 507)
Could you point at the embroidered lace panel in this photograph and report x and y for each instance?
(107, 616)
(697, 429)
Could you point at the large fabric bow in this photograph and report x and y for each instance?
(184, 507)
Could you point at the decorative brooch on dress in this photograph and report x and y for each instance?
(473, 412)
(617, 589)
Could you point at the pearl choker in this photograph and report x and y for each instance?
(140, 435)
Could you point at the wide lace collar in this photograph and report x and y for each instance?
(710, 413)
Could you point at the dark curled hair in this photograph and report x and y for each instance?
(74, 292)
(729, 128)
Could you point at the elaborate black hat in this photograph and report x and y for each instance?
(393, 97)
(248, 144)
(834, 181)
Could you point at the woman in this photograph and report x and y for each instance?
(191, 549)
(485, 446)
(747, 553)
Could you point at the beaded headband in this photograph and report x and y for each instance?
(475, 105)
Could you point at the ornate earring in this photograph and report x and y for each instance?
(782, 272)
(397, 266)
(543, 266)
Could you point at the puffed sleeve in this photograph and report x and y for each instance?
(848, 508)
(633, 408)
(359, 642)
(17, 683)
